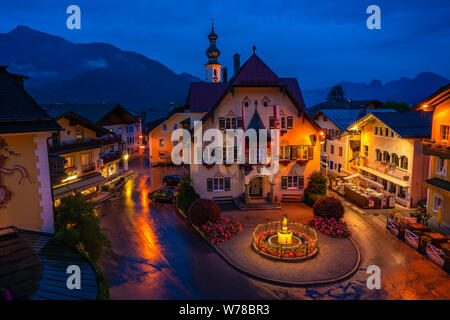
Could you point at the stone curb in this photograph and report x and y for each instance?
(278, 281)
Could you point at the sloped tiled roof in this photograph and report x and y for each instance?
(257, 124)
(408, 124)
(343, 118)
(94, 112)
(203, 95)
(18, 110)
(255, 72)
(439, 183)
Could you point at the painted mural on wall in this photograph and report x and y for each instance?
(5, 154)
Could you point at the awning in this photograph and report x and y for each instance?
(79, 185)
(351, 176)
(384, 176)
(440, 184)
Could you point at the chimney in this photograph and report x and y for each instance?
(236, 64)
(224, 74)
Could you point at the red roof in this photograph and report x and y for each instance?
(204, 96)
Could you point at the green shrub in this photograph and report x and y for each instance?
(77, 226)
(311, 198)
(317, 187)
(186, 195)
(105, 188)
(329, 207)
(202, 211)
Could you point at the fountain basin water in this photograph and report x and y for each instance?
(302, 245)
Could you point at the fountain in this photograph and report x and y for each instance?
(285, 241)
(284, 235)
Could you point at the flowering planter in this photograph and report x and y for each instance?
(302, 163)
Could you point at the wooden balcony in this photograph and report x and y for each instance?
(74, 147)
(432, 148)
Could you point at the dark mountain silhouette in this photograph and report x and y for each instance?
(62, 71)
(406, 90)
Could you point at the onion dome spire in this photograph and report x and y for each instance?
(212, 52)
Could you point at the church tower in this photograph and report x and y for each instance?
(213, 67)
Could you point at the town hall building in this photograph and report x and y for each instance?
(247, 101)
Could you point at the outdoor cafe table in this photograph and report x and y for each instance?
(418, 228)
(437, 238)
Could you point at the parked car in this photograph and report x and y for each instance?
(164, 195)
(172, 181)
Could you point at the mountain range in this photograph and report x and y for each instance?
(63, 71)
(406, 90)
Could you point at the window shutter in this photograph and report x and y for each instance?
(227, 184)
(283, 182)
(301, 182)
(310, 152)
(289, 122)
(209, 184)
(221, 123)
(294, 155)
(233, 123)
(239, 122)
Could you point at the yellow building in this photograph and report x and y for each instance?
(160, 132)
(438, 148)
(25, 189)
(84, 155)
(391, 153)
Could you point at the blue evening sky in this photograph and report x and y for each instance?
(319, 42)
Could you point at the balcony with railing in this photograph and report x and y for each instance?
(110, 140)
(88, 168)
(110, 157)
(80, 145)
(438, 149)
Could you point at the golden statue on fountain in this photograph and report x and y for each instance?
(284, 234)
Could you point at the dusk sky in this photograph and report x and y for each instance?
(319, 42)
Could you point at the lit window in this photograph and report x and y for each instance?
(378, 155)
(218, 184)
(162, 142)
(340, 151)
(444, 132)
(438, 201)
(404, 162)
(441, 166)
(395, 159)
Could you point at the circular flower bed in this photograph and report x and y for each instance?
(331, 227)
(221, 230)
(304, 242)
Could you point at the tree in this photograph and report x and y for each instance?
(186, 195)
(78, 226)
(399, 106)
(317, 187)
(336, 94)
